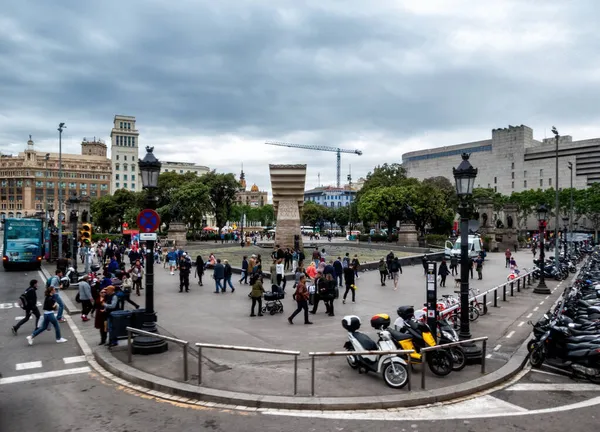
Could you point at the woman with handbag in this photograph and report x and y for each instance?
(301, 296)
(136, 276)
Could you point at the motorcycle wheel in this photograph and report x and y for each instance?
(537, 357)
(473, 313)
(395, 375)
(352, 360)
(440, 362)
(594, 379)
(458, 358)
(530, 345)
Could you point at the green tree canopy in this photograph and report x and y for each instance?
(221, 192)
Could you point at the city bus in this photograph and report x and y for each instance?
(23, 243)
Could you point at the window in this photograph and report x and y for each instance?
(524, 173)
(495, 180)
(128, 125)
(180, 171)
(132, 185)
(133, 177)
(124, 176)
(105, 187)
(541, 182)
(72, 185)
(541, 173)
(39, 184)
(525, 183)
(129, 141)
(50, 185)
(125, 157)
(550, 182)
(512, 165)
(121, 125)
(485, 148)
(489, 186)
(495, 188)
(117, 177)
(513, 175)
(513, 185)
(133, 141)
(124, 185)
(93, 186)
(117, 167)
(83, 186)
(117, 157)
(117, 184)
(132, 168)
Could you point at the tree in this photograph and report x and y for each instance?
(433, 206)
(342, 216)
(388, 204)
(222, 189)
(312, 213)
(103, 211)
(385, 175)
(110, 211)
(266, 215)
(591, 206)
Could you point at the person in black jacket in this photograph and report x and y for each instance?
(185, 267)
(443, 272)
(339, 270)
(228, 272)
(349, 280)
(321, 286)
(244, 278)
(199, 268)
(30, 307)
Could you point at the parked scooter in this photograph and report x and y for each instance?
(447, 334)
(416, 335)
(393, 368)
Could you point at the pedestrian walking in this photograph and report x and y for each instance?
(110, 305)
(338, 269)
(136, 276)
(218, 276)
(100, 318)
(199, 269)
(454, 265)
(330, 294)
(29, 304)
(172, 257)
(349, 281)
(49, 306)
(227, 273)
(55, 282)
(479, 268)
(394, 270)
(185, 268)
(280, 269)
(443, 272)
(125, 296)
(355, 265)
(85, 297)
(257, 293)
(244, 278)
(301, 297)
(383, 271)
(424, 262)
(507, 256)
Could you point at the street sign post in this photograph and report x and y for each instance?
(148, 236)
(431, 283)
(148, 221)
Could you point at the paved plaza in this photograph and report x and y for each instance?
(203, 316)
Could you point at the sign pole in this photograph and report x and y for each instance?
(431, 286)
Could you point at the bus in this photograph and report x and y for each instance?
(23, 243)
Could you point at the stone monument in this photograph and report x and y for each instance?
(408, 235)
(287, 184)
(177, 234)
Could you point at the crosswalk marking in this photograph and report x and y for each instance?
(554, 387)
(30, 365)
(76, 359)
(44, 375)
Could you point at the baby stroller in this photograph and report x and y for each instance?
(273, 299)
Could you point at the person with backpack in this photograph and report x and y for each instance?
(28, 302)
(49, 305)
(54, 282)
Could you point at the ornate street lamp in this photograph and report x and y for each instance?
(542, 215)
(150, 170)
(74, 215)
(464, 176)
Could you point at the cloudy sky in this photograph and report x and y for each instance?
(210, 81)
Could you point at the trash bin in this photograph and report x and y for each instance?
(120, 321)
(137, 318)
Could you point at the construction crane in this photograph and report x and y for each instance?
(338, 150)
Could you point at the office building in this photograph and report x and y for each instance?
(124, 154)
(330, 196)
(183, 168)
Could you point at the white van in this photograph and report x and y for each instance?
(475, 246)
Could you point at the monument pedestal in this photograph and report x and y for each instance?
(287, 184)
(408, 235)
(177, 232)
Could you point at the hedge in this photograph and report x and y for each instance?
(436, 239)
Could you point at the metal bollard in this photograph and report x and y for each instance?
(423, 363)
(129, 349)
(483, 354)
(295, 375)
(312, 376)
(504, 292)
(409, 372)
(519, 285)
(512, 289)
(185, 362)
(199, 365)
(496, 297)
(484, 304)
(529, 279)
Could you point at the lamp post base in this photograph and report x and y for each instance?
(542, 289)
(146, 345)
(472, 351)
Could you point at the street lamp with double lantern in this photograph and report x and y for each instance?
(542, 215)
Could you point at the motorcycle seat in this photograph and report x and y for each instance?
(579, 353)
(367, 343)
(582, 338)
(583, 345)
(398, 335)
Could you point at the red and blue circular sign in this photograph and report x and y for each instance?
(148, 221)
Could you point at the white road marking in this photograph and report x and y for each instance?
(547, 297)
(554, 387)
(521, 324)
(30, 365)
(529, 316)
(508, 336)
(19, 318)
(489, 303)
(488, 356)
(77, 359)
(44, 375)
(497, 347)
(535, 309)
(542, 302)
(546, 372)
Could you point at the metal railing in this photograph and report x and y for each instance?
(248, 349)
(425, 350)
(182, 343)
(521, 281)
(312, 356)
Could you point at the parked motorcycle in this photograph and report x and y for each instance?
(392, 367)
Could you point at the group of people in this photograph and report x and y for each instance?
(390, 268)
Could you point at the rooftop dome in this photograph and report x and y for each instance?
(254, 188)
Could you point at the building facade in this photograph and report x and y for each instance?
(513, 161)
(184, 167)
(330, 196)
(29, 182)
(253, 197)
(124, 154)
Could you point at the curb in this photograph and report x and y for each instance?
(154, 383)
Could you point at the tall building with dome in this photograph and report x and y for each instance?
(253, 197)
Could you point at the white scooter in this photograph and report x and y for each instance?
(393, 368)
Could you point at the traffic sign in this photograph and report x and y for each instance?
(147, 236)
(148, 221)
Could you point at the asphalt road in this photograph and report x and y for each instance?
(54, 394)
